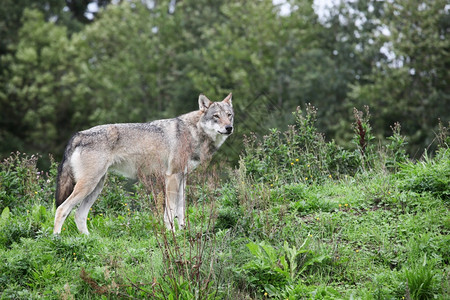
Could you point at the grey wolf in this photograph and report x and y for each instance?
(170, 148)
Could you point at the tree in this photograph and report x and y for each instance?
(32, 102)
(412, 85)
(258, 54)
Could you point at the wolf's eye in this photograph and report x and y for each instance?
(229, 116)
(216, 116)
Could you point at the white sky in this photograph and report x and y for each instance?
(320, 6)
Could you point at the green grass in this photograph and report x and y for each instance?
(369, 234)
(364, 230)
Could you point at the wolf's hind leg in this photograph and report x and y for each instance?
(82, 189)
(83, 209)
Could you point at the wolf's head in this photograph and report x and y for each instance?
(218, 117)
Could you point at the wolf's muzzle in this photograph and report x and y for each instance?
(229, 129)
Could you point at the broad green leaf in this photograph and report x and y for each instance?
(5, 213)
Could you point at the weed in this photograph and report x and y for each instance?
(395, 150)
(272, 271)
(421, 280)
(443, 135)
(363, 137)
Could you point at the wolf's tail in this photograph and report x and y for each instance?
(65, 181)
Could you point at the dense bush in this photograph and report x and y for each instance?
(298, 155)
(428, 175)
(22, 183)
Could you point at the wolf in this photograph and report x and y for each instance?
(170, 148)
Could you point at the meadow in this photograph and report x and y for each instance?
(298, 218)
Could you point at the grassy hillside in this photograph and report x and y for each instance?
(300, 218)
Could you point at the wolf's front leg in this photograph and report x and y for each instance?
(175, 206)
(181, 202)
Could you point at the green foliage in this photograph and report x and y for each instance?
(299, 218)
(229, 212)
(268, 269)
(22, 183)
(311, 240)
(300, 155)
(421, 280)
(429, 175)
(13, 229)
(408, 84)
(135, 62)
(33, 102)
(396, 151)
(277, 273)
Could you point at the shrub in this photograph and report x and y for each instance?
(277, 271)
(21, 182)
(13, 229)
(298, 155)
(428, 175)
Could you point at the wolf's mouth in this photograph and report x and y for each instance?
(225, 133)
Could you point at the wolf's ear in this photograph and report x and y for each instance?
(203, 102)
(228, 100)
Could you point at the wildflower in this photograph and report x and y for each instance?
(63, 259)
(357, 250)
(340, 205)
(35, 193)
(306, 178)
(330, 176)
(126, 204)
(88, 219)
(310, 235)
(317, 219)
(292, 163)
(74, 253)
(296, 159)
(346, 204)
(74, 258)
(265, 294)
(309, 166)
(271, 184)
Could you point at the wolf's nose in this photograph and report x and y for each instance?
(228, 128)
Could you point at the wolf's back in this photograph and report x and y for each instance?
(65, 181)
